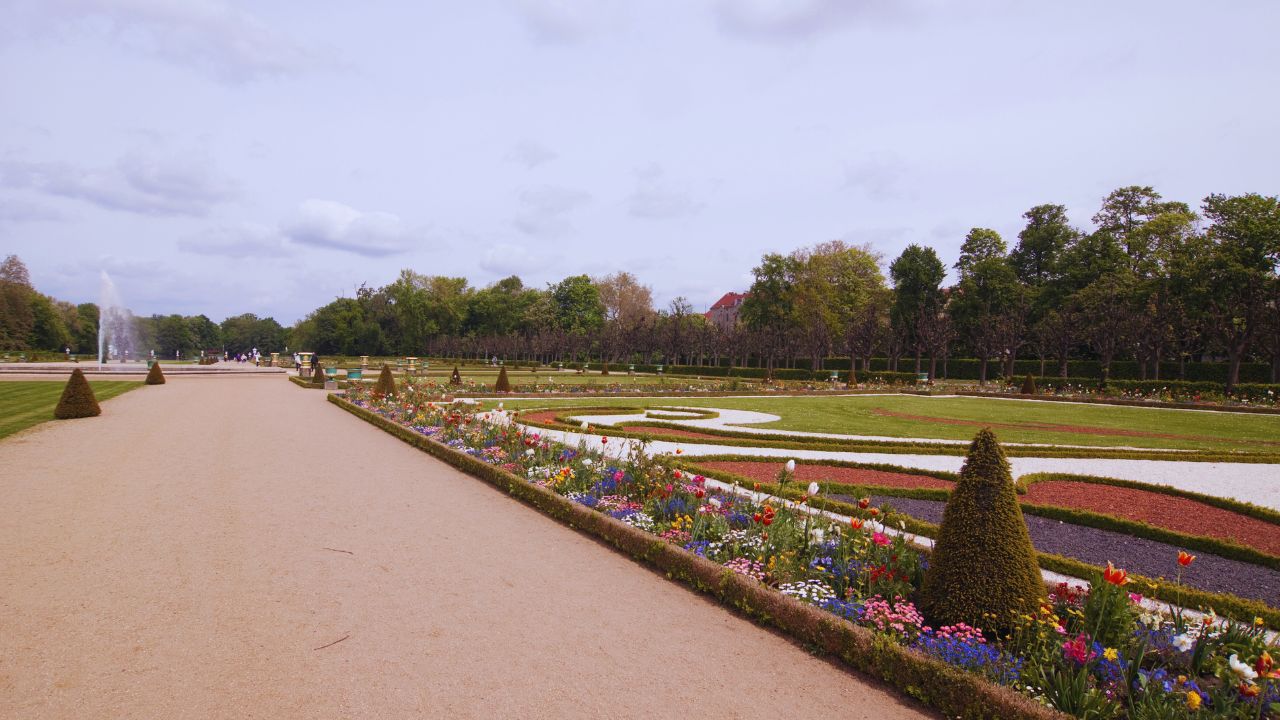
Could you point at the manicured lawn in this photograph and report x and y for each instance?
(27, 403)
(1013, 421)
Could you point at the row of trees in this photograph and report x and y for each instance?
(1154, 281)
(30, 320)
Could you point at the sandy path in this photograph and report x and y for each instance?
(169, 560)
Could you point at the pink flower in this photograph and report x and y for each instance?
(1078, 649)
(880, 539)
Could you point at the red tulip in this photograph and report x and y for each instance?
(864, 503)
(1119, 578)
(1185, 558)
(855, 523)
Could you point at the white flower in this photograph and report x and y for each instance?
(715, 503)
(529, 452)
(587, 462)
(813, 488)
(791, 466)
(816, 534)
(1184, 642)
(584, 425)
(1242, 670)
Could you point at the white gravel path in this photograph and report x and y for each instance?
(1248, 482)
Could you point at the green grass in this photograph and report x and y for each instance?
(27, 403)
(1013, 421)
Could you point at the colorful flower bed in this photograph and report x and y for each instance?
(1090, 654)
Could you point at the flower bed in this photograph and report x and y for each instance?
(854, 573)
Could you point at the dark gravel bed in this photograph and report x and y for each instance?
(1137, 555)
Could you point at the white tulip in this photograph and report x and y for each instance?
(584, 425)
(813, 488)
(816, 534)
(1243, 671)
(791, 466)
(529, 452)
(1184, 642)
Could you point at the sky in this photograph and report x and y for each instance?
(224, 157)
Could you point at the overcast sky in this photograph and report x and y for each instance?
(223, 157)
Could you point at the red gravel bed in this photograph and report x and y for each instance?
(669, 432)
(1153, 508)
(768, 472)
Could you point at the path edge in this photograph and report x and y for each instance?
(925, 679)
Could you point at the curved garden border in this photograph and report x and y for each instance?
(929, 680)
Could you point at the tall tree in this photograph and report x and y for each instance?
(917, 278)
(1041, 244)
(769, 309)
(980, 244)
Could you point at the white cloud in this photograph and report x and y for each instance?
(137, 183)
(15, 210)
(247, 240)
(212, 36)
(545, 210)
(794, 20)
(531, 154)
(653, 201)
(564, 22)
(504, 259)
(329, 224)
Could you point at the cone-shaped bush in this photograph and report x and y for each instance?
(77, 399)
(386, 385)
(456, 377)
(317, 374)
(155, 376)
(1029, 385)
(503, 384)
(983, 571)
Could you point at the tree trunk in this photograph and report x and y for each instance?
(933, 367)
(1233, 369)
(982, 371)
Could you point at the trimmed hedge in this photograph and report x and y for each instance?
(78, 400)
(155, 376)
(1231, 606)
(906, 447)
(927, 679)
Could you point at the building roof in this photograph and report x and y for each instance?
(729, 300)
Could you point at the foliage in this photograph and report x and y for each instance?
(503, 385)
(77, 399)
(386, 384)
(155, 376)
(1029, 385)
(984, 536)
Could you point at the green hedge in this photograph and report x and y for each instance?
(1224, 604)
(968, 368)
(944, 687)
(730, 438)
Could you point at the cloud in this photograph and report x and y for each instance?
(652, 201)
(504, 260)
(247, 240)
(137, 183)
(531, 154)
(794, 20)
(14, 210)
(545, 210)
(329, 224)
(211, 36)
(563, 22)
(878, 177)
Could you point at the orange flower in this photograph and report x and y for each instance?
(855, 523)
(1248, 690)
(874, 511)
(1264, 664)
(1185, 558)
(864, 502)
(1119, 578)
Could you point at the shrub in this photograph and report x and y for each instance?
(983, 571)
(155, 376)
(317, 374)
(386, 385)
(77, 399)
(1029, 385)
(456, 377)
(503, 385)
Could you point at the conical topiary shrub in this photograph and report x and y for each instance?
(317, 374)
(77, 399)
(503, 385)
(386, 385)
(456, 377)
(983, 570)
(155, 376)
(1029, 385)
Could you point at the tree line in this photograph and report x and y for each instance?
(1155, 282)
(33, 321)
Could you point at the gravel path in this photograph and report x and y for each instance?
(192, 552)
(1138, 555)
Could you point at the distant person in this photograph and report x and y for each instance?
(297, 362)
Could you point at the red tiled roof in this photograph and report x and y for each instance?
(729, 300)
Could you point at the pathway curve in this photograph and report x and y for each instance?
(191, 553)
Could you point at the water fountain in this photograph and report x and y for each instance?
(115, 323)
